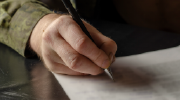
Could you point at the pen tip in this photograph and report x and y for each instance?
(109, 72)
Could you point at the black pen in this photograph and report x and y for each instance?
(76, 17)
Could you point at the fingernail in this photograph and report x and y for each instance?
(111, 56)
(105, 64)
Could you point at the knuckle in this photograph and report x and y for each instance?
(81, 44)
(98, 55)
(46, 37)
(65, 20)
(74, 62)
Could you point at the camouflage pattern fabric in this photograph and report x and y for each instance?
(17, 20)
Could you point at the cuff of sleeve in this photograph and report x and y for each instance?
(22, 24)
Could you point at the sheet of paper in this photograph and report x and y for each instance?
(149, 76)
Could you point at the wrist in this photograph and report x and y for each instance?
(36, 35)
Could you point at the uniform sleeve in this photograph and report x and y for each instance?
(17, 20)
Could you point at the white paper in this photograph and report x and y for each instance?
(149, 76)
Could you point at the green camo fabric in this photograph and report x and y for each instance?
(17, 20)
(19, 17)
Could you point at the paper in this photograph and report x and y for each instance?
(149, 76)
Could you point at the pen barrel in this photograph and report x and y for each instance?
(76, 17)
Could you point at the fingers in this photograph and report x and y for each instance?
(59, 68)
(73, 34)
(110, 48)
(55, 64)
(104, 43)
(70, 57)
(74, 60)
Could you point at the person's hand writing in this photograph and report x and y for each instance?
(65, 49)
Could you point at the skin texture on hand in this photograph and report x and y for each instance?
(65, 49)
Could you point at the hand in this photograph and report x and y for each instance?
(65, 49)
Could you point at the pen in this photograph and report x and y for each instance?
(76, 17)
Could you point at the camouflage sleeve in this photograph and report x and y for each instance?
(17, 20)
